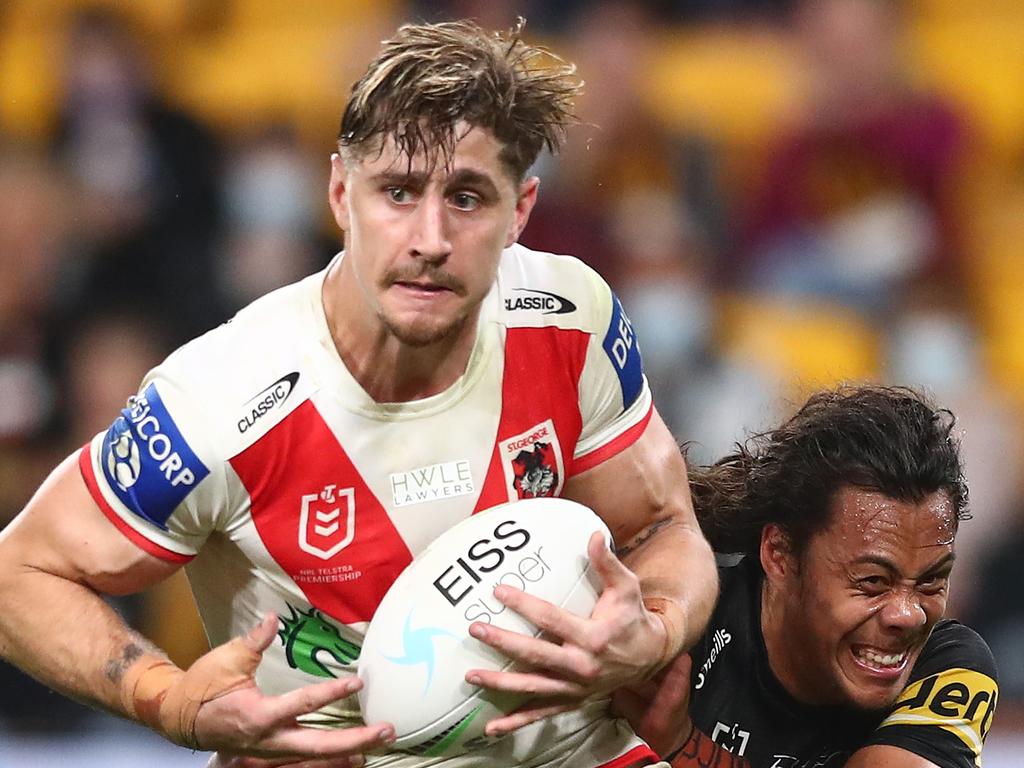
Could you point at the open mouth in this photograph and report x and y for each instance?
(880, 661)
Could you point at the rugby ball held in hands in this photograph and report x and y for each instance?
(418, 649)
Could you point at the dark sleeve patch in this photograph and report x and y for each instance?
(147, 462)
(620, 344)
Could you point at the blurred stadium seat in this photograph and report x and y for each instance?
(811, 345)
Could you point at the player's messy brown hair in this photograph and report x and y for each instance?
(886, 439)
(429, 77)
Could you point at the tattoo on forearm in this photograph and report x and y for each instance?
(700, 751)
(643, 537)
(115, 668)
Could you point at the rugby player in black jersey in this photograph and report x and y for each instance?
(828, 647)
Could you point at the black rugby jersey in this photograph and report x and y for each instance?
(942, 715)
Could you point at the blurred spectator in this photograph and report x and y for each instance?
(620, 150)
(938, 350)
(106, 356)
(273, 201)
(857, 203)
(559, 17)
(666, 290)
(33, 228)
(147, 177)
(33, 231)
(998, 611)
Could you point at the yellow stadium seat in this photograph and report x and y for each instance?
(29, 81)
(157, 17)
(275, 14)
(297, 73)
(809, 345)
(731, 84)
(977, 60)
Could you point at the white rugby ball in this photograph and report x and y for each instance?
(418, 649)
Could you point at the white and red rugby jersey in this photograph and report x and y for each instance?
(252, 457)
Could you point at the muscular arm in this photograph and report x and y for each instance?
(55, 560)
(59, 556)
(643, 496)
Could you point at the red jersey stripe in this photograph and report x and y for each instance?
(319, 519)
(615, 446)
(136, 538)
(636, 757)
(540, 383)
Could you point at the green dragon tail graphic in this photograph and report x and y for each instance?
(306, 635)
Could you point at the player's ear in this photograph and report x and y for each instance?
(777, 559)
(525, 200)
(337, 192)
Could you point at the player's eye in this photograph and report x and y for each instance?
(398, 195)
(465, 201)
(934, 585)
(873, 585)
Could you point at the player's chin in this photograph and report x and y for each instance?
(417, 330)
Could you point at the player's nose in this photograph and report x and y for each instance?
(431, 238)
(904, 611)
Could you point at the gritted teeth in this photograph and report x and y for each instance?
(880, 659)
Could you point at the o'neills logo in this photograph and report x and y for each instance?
(267, 400)
(532, 461)
(546, 303)
(719, 640)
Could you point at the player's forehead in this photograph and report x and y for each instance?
(868, 526)
(475, 153)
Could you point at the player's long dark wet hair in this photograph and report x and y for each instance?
(886, 439)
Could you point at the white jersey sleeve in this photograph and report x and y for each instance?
(561, 292)
(615, 399)
(154, 473)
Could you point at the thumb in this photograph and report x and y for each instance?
(609, 568)
(259, 638)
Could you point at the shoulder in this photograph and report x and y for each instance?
(946, 710)
(240, 378)
(954, 645)
(539, 289)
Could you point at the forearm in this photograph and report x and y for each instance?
(65, 635)
(699, 751)
(675, 564)
(56, 560)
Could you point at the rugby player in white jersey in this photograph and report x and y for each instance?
(434, 369)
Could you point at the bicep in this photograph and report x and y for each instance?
(640, 486)
(62, 532)
(886, 756)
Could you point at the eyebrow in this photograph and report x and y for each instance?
(890, 566)
(419, 179)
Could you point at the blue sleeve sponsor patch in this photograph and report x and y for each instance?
(623, 350)
(147, 462)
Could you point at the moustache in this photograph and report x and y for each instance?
(433, 275)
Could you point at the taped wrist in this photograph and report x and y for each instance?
(672, 618)
(167, 699)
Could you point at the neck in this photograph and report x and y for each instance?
(783, 650)
(387, 369)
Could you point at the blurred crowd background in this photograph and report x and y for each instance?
(785, 194)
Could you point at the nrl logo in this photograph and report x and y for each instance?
(324, 527)
(307, 635)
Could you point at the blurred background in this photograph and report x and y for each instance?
(786, 194)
